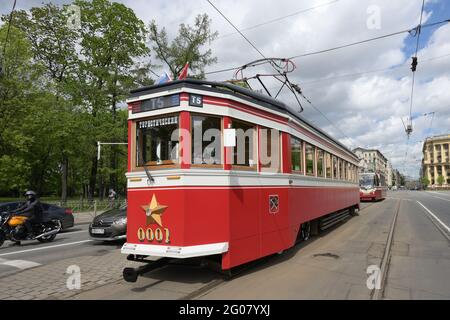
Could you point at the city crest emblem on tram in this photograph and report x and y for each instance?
(154, 211)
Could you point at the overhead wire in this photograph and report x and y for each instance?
(279, 18)
(254, 46)
(345, 45)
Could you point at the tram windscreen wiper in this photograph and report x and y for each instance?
(147, 171)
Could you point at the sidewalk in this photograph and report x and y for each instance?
(51, 281)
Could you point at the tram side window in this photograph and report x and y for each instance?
(341, 169)
(347, 171)
(320, 166)
(244, 154)
(310, 157)
(296, 155)
(269, 157)
(157, 141)
(335, 168)
(328, 165)
(206, 140)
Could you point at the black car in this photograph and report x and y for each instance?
(110, 225)
(64, 215)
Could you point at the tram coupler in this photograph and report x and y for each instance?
(131, 274)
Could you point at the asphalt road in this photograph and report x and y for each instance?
(332, 265)
(74, 242)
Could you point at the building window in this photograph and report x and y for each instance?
(157, 141)
(296, 155)
(309, 155)
(206, 140)
(320, 165)
(328, 165)
(244, 154)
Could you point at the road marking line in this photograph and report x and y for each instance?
(21, 264)
(434, 216)
(43, 248)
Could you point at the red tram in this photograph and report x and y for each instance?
(218, 170)
(372, 186)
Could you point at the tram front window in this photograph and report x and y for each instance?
(157, 141)
(366, 181)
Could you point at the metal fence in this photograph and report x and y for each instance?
(84, 205)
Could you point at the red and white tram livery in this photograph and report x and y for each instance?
(216, 169)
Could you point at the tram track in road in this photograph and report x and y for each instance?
(224, 277)
(377, 294)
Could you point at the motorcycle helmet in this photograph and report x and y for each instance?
(30, 195)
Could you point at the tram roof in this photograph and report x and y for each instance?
(237, 91)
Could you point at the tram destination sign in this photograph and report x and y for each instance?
(158, 103)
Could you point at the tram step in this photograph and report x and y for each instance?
(332, 219)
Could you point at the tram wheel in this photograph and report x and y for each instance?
(306, 230)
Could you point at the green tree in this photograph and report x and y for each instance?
(186, 47)
(440, 180)
(17, 92)
(425, 182)
(112, 40)
(53, 46)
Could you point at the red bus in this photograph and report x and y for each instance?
(218, 170)
(372, 186)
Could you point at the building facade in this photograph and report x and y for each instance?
(389, 174)
(372, 160)
(436, 161)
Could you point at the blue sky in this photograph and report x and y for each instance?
(440, 11)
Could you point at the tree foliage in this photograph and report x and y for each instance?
(186, 47)
(63, 89)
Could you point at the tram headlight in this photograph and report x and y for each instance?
(120, 221)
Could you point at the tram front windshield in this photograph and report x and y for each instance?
(367, 181)
(157, 141)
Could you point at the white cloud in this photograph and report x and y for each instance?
(368, 107)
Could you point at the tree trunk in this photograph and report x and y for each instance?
(113, 158)
(93, 178)
(65, 165)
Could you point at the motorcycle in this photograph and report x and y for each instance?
(12, 227)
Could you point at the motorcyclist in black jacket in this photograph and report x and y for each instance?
(31, 209)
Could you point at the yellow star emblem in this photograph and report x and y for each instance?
(154, 211)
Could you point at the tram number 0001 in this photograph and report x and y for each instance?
(150, 235)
